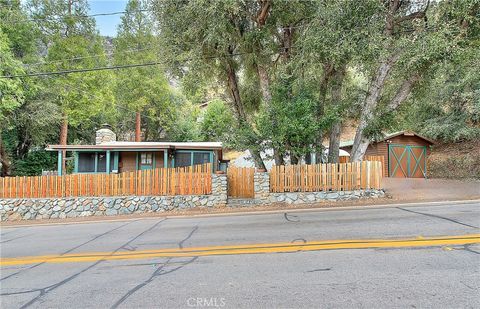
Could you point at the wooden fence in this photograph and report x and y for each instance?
(240, 182)
(162, 181)
(365, 158)
(326, 177)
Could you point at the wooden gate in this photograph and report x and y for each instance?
(240, 181)
(407, 161)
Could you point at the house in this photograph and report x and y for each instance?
(111, 156)
(405, 153)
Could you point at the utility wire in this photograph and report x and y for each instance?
(135, 65)
(88, 57)
(59, 17)
(126, 66)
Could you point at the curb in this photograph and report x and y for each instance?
(258, 212)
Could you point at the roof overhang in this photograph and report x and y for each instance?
(389, 136)
(138, 146)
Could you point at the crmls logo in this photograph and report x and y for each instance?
(206, 302)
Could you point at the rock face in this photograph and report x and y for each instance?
(47, 208)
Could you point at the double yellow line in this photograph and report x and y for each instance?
(246, 249)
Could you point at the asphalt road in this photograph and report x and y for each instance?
(440, 276)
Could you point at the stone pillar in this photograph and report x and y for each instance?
(261, 182)
(219, 189)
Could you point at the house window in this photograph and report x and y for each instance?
(102, 162)
(183, 159)
(86, 162)
(146, 158)
(201, 157)
(189, 158)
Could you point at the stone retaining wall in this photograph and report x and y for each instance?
(48, 208)
(29, 209)
(264, 196)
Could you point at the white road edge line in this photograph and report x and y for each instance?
(258, 212)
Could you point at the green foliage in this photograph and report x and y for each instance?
(217, 123)
(143, 89)
(186, 128)
(447, 107)
(294, 128)
(11, 89)
(35, 162)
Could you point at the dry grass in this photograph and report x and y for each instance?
(455, 161)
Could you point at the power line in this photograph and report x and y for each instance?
(59, 17)
(135, 65)
(88, 57)
(116, 67)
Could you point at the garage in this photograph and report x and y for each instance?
(405, 154)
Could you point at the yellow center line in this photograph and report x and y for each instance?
(247, 249)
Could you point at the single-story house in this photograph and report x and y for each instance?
(111, 156)
(405, 153)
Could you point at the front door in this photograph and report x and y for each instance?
(407, 161)
(146, 161)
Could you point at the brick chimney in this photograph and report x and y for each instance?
(105, 135)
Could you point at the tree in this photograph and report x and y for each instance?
(72, 42)
(216, 122)
(415, 37)
(295, 128)
(11, 95)
(334, 41)
(208, 35)
(144, 90)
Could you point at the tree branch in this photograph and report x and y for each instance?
(416, 15)
(403, 92)
(263, 12)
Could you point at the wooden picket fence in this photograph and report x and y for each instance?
(365, 158)
(326, 177)
(240, 182)
(379, 159)
(162, 181)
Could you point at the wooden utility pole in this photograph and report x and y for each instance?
(138, 127)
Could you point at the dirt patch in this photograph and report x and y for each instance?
(455, 160)
(420, 189)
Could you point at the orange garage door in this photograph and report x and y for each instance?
(407, 161)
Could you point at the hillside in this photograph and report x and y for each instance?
(455, 160)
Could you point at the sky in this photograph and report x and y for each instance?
(107, 25)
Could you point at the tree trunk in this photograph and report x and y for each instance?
(264, 84)
(327, 73)
(403, 92)
(63, 139)
(138, 127)
(4, 161)
(278, 157)
(239, 111)
(293, 159)
(334, 142)
(336, 130)
(361, 142)
(24, 143)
